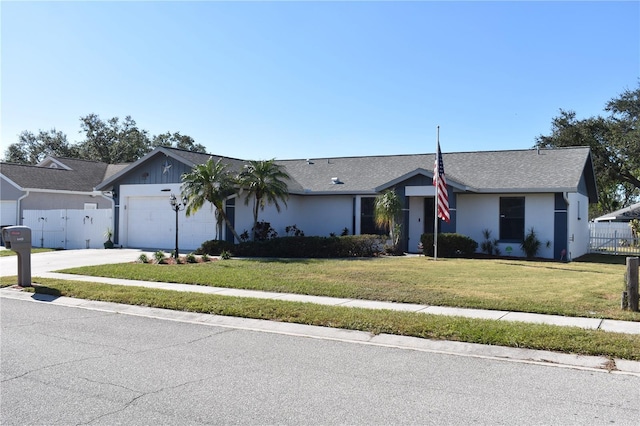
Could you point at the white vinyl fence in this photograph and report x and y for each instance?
(613, 238)
(68, 229)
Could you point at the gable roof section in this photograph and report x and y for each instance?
(545, 170)
(357, 175)
(187, 157)
(76, 175)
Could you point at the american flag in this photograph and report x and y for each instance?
(441, 183)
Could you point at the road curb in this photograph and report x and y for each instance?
(541, 357)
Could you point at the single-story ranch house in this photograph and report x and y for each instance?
(505, 192)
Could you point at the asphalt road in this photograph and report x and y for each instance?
(64, 365)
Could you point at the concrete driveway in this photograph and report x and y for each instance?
(56, 260)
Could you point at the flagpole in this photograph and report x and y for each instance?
(435, 203)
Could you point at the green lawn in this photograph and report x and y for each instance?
(490, 332)
(587, 289)
(580, 288)
(33, 250)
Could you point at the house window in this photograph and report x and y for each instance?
(367, 222)
(512, 218)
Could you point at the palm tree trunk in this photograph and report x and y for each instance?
(255, 218)
(230, 226)
(220, 210)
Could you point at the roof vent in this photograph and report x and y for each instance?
(335, 181)
(309, 161)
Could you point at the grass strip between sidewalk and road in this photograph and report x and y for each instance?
(581, 289)
(491, 332)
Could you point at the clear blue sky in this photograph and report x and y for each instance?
(260, 80)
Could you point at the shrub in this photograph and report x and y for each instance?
(214, 247)
(225, 255)
(531, 244)
(143, 258)
(204, 257)
(159, 257)
(191, 258)
(293, 231)
(489, 245)
(263, 231)
(449, 245)
(312, 247)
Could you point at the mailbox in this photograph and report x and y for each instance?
(18, 239)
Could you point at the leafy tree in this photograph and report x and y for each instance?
(32, 148)
(615, 145)
(386, 208)
(264, 182)
(113, 141)
(177, 140)
(210, 182)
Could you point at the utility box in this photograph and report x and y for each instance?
(18, 239)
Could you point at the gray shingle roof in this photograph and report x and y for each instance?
(547, 170)
(83, 176)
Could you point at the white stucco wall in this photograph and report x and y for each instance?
(314, 215)
(476, 212)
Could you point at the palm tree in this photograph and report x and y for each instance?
(386, 208)
(263, 180)
(210, 182)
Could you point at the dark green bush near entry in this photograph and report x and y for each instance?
(304, 247)
(449, 245)
(215, 247)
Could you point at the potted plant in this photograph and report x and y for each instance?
(108, 234)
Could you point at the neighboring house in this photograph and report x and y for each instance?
(57, 199)
(613, 230)
(626, 214)
(507, 192)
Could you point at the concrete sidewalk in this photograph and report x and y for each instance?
(44, 263)
(628, 327)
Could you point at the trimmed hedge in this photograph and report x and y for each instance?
(301, 247)
(215, 247)
(449, 245)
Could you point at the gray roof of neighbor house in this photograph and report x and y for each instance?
(76, 175)
(546, 170)
(623, 215)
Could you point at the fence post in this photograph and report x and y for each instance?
(632, 282)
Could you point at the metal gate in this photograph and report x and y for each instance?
(68, 229)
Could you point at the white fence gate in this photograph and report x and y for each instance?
(68, 229)
(613, 238)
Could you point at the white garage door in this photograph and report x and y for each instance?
(151, 225)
